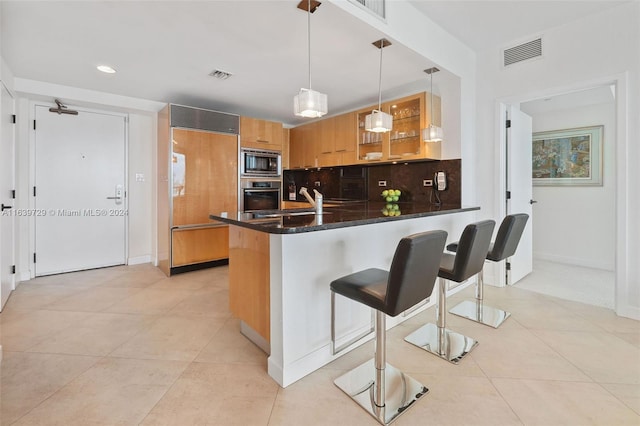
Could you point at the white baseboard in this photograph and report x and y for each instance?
(23, 276)
(594, 264)
(139, 259)
(627, 311)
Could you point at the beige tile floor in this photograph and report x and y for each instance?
(127, 346)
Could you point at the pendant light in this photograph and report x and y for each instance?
(432, 133)
(379, 121)
(309, 103)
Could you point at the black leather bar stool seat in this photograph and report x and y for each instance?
(381, 389)
(467, 262)
(505, 246)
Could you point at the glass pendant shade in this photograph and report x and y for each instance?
(309, 103)
(432, 134)
(378, 122)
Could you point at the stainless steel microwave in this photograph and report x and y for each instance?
(260, 163)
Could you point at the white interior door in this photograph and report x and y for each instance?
(80, 203)
(520, 186)
(7, 181)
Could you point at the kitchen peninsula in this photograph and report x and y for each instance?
(281, 263)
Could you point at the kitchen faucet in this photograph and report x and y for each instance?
(317, 204)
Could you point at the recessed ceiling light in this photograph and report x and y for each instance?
(106, 68)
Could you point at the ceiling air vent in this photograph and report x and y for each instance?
(523, 52)
(222, 75)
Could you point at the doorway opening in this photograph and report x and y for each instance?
(574, 232)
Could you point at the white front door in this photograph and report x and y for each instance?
(7, 180)
(80, 203)
(520, 187)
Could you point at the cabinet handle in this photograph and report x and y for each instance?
(262, 140)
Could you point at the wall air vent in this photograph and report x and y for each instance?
(375, 6)
(219, 74)
(523, 52)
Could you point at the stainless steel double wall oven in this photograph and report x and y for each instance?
(260, 180)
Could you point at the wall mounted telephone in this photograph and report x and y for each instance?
(440, 181)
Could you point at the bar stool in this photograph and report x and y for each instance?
(468, 261)
(505, 246)
(381, 389)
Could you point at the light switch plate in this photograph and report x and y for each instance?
(382, 183)
(139, 177)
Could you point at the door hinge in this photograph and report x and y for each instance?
(508, 123)
(13, 269)
(508, 195)
(34, 191)
(13, 118)
(34, 258)
(508, 264)
(34, 124)
(13, 194)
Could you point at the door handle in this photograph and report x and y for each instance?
(118, 196)
(532, 201)
(6, 207)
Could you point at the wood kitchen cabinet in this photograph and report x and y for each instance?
(249, 298)
(324, 143)
(285, 148)
(345, 138)
(342, 139)
(302, 147)
(410, 115)
(260, 134)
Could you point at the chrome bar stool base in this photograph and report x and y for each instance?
(478, 312)
(400, 390)
(442, 342)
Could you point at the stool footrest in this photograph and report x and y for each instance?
(478, 312)
(401, 391)
(442, 342)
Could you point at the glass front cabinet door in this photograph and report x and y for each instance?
(410, 115)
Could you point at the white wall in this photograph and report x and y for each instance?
(142, 212)
(576, 224)
(580, 54)
(142, 140)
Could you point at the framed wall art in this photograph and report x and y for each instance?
(567, 157)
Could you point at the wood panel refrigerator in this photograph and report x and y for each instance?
(197, 175)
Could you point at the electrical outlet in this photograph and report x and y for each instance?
(317, 184)
(427, 182)
(382, 183)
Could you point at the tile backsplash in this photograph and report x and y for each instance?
(362, 181)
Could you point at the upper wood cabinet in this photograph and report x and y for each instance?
(285, 148)
(404, 142)
(342, 139)
(324, 143)
(260, 134)
(300, 149)
(345, 135)
(325, 131)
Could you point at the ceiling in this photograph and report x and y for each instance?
(594, 96)
(164, 51)
(487, 24)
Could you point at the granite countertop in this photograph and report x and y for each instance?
(351, 214)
